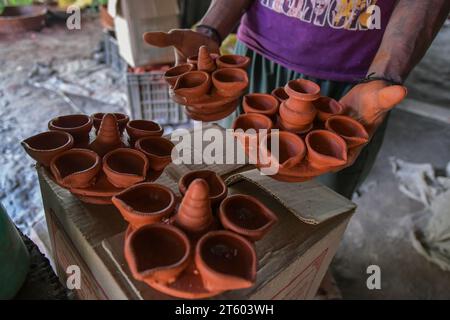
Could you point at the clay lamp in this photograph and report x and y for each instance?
(122, 120)
(232, 61)
(327, 107)
(280, 94)
(78, 125)
(137, 129)
(247, 129)
(157, 253)
(194, 215)
(225, 261)
(349, 129)
(194, 59)
(217, 187)
(193, 85)
(291, 150)
(260, 103)
(171, 76)
(158, 151)
(124, 167)
(230, 82)
(108, 137)
(246, 216)
(44, 146)
(204, 61)
(326, 149)
(145, 203)
(76, 168)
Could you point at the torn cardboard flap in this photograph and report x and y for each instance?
(309, 201)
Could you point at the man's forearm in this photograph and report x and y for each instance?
(223, 15)
(410, 32)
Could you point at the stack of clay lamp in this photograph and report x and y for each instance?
(209, 85)
(301, 115)
(95, 167)
(196, 247)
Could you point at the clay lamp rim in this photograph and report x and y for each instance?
(120, 117)
(328, 106)
(130, 127)
(299, 144)
(280, 94)
(358, 128)
(269, 214)
(168, 228)
(89, 122)
(236, 74)
(77, 152)
(146, 185)
(302, 88)
(250, 117)
(252, 103)
(334, 136)
(203, 78)
(28, 144)
(232, 61)
(168, 143)
(249, 246)
(127, 151)
(183, 185)
(177, 71)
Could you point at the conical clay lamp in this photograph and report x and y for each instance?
(108, 137)
(195, 215)
(205, 62)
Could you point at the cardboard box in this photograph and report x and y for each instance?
(293, 257)
(132, 18)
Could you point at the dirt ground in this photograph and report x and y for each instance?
(62, 60)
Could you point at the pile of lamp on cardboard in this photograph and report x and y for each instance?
(194, 247)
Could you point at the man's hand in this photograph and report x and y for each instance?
(186, 42)
(369, 104)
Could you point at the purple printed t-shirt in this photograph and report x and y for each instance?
(327, 39)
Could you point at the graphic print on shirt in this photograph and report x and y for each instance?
(337, 14)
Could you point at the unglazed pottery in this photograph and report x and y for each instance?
(230, 82)
(216, 186)
(291, 150)
(108, 137)
(76, 168)
(298, 112)
(248, 129)
(193, 84)
(194, 214)
(158, 151)
(145, 203)
(232, 61)
(172, 75)
(262, 103)
(326, 149)
(280, 94)
(226, 261)
(124, 167)
(217, 111)
(157, 253)
(349, 129)
(204, 60)
(194, 59)
(44, 146)
(122, 120)
(137, 129)
(246, 216)
(327, 107)
(78, 125)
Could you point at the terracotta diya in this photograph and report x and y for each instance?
(291, 149)
(327, 107)
(246, 216)
(171, 76)
(44, 146)
(226, 261)
(192, 85)
(232, 61)
(78, 125)
(145, 203)
(260, 103)
(229, 82)
(204, 60)
(158, 151)
(353, 132)
(108, 137)
(280, 94)
(216, 186)
(124, 167)
(76, 168)
(122, 120)
(137, 129)
(248, 129)
(326, 149)
(157, 253)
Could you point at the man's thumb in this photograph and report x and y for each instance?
(389, 97)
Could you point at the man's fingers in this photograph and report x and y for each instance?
(390, 96)
(159, 39)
